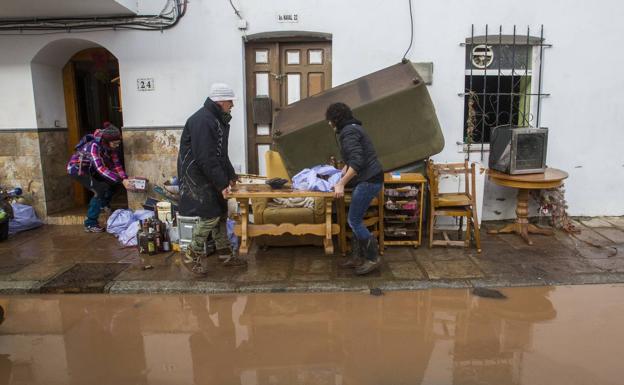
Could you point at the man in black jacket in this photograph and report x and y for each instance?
(206, 175)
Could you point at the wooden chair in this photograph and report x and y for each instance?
(455, 204)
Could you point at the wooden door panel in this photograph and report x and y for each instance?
(286, 73)
(315, 83)
(262, 64)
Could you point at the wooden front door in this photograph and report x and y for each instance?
(277, 75)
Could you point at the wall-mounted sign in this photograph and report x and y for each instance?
(482, 56)
(287, 17)
(145, 84)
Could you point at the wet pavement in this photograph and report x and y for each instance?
(539, 335)
(36, 261)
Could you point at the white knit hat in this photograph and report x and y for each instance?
(221, 92)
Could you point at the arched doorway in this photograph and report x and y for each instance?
(76, 87)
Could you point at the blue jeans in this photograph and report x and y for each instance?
(362, 196)
(102, 194)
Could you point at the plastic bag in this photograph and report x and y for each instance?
(128, 236)
(230, 233)
(119, 221)
(124, 224)
(310, 179)
(24, 218)
(140, 215)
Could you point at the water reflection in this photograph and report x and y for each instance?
(424, 337)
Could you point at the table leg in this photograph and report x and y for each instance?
(342, 237)
(244, 214)
(522, 214)
(380, 225)
(522, 226)
(538, 230)
(328, 243)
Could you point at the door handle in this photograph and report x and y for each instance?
(278, 77)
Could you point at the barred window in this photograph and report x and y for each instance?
(503, 82)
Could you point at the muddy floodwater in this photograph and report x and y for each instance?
(539, 335)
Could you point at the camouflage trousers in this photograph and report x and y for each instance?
(210, 226)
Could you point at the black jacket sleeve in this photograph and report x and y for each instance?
(352, 149)
(230, 169)
(204, 141)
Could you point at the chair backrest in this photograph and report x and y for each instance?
(275, 165)
(435, 172)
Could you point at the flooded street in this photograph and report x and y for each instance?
(539, 335)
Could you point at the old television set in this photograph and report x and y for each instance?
(518, 150)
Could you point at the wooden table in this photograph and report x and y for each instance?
(245, 230)
(551, 178)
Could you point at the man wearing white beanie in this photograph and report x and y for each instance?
(206, 175)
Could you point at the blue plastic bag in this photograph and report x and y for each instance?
(124, 224)
(310, 178)
(24, 218)
(230, 233)
(119, 221)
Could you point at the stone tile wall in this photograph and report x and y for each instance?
(151, 154)
(20, 165)
(57, 184)
(36, 161)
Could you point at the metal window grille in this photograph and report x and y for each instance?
(503, 82)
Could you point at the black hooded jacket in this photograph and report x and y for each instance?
(358, 152)
(204, 168)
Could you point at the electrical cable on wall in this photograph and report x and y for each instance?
(243, 26)
(236, 11)
(170, 15)
(411, 32)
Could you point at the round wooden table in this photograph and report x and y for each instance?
(551, 178)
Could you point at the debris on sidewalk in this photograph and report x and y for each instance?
(488, 293)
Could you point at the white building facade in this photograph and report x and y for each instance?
(580, 73)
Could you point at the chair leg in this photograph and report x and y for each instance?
(431, 220)
(461, 227)
(477, 232)
(468, 236)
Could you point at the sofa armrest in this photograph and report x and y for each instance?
(257, 206)
(319, 210)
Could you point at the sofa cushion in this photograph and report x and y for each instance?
(295, 215)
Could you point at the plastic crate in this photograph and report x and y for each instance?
(186, 227)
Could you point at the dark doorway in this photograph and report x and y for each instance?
(92, 97)
(97, 91)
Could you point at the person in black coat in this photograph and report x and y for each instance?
(363, 171)
(206, 174)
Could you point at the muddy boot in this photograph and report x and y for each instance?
(194, 262)
(355, 259)
(370, 251)
(232, 258)
(210, 248)
(224, 253)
